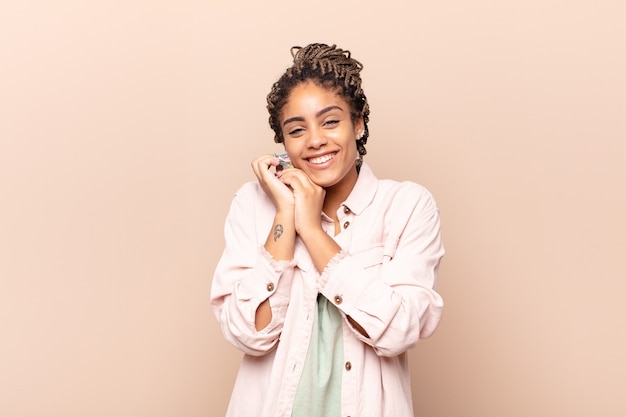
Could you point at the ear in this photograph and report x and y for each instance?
(359, 128)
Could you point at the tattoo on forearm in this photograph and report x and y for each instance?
(278, 231)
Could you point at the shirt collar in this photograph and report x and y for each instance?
(364, 190)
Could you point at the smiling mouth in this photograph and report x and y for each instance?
(322, 159)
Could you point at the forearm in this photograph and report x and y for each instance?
(281, 240)
(280, 243)
(320, 246)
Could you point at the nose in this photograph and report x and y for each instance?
(316, 138)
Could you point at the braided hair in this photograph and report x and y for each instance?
(329, 67)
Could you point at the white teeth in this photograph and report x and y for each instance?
(322, 159)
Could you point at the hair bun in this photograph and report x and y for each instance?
(322, 54)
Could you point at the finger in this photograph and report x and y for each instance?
(262, 164)
(295, 178)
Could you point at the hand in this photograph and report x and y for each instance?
(277, 191)
(309, 202)
(308, 198)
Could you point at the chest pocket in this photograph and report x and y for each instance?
(377, 254)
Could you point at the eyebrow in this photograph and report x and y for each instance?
(318, 114)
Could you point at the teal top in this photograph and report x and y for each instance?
(319, 391)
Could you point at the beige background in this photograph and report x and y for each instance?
(126, 126)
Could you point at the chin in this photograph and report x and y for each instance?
(323, 181)
(327, 180)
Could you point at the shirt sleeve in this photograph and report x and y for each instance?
(389, 288)
(246, 275)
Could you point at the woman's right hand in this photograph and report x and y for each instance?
(280, 194)
(280, 242)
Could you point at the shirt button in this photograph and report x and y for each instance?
(346, 210)
(348, 366)
(270, 286)
(338, 299)
(346, 224)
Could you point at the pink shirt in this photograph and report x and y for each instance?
(383, 278)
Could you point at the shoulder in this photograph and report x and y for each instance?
(250, 197)
(250, 190)
(405, 200)
(406, 192)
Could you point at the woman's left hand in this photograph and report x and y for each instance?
(309, 200)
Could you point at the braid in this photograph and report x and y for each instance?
(329, 67)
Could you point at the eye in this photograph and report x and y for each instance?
(331, 122)
(297, 131)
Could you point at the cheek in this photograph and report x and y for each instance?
(291, 150)
(288, 147)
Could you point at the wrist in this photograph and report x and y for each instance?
(285, 217)
(311, 233)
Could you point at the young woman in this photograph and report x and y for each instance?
(328, 273)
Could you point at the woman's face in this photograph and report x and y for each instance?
(320, 136)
